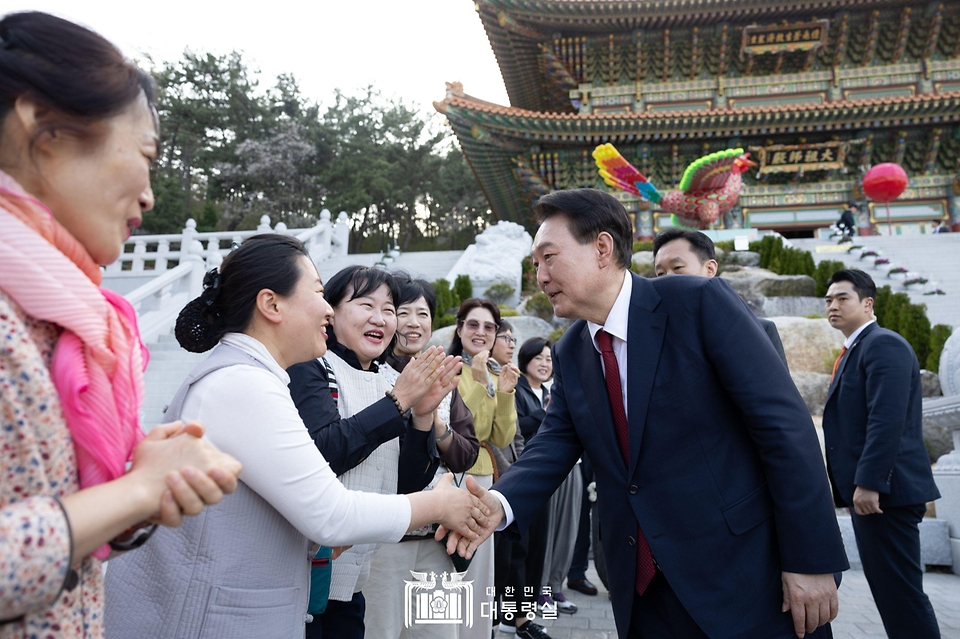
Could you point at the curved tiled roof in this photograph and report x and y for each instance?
(918, 109)
(552, 11)
(516, 27)
(493, 136)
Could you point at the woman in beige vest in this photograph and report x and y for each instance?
(378, 437)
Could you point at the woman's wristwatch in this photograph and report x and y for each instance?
(133, 537)
(446, 435)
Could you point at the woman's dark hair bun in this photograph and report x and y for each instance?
(195, 329)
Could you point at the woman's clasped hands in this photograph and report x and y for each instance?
(181, 472)
(425, 381)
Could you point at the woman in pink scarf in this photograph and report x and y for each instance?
(77, 136)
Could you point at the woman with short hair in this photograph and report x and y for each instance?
(457, 447)
(351, 412)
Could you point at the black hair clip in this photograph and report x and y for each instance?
(211, 286)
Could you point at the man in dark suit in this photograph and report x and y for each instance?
(939, 227)
(714, 507)
(847, 223)
(876, 457)
(679, 251)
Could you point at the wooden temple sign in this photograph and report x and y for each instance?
(803, 36)
(784, 158)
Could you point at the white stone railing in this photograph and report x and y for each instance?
(164, 272)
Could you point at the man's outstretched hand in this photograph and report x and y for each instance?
(464, 546)
(811, 598)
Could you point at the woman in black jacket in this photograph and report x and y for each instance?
(532, 396)
(562, 515)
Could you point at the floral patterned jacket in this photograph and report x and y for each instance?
(41, 594)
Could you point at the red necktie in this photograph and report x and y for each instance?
(646, 569)
(836, 363)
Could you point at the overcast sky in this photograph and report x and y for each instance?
(406, 48)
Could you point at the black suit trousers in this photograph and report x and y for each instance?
(658, 614)
(889, 546)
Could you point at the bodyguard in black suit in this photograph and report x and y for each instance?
(685, 252)
(876, 457)
(714, 507)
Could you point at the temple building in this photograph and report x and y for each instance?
(817, 91)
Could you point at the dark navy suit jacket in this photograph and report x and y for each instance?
(725, 473)
(873, 425)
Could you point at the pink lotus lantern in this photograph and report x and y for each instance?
(883, 183)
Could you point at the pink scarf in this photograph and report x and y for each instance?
(99, 360)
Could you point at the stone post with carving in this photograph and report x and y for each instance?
(947, 471)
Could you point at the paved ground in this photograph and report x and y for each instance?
(858, 617)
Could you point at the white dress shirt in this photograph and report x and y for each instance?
(616, 325)
(853, 336)
(248, 413)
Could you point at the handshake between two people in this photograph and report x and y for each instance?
(470, 516)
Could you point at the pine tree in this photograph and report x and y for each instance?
(938, 337)
(462, 289)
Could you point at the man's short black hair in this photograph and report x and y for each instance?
(701, 245)
(862, 283)
(589, 212)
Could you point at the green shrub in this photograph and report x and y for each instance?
(888, 312)
(508, 312)
(463, 288)
(938, 337)
(895, 312)
(445, 299)
(499, 293)
(642, 245)
(539, 305)
(647, 270)
(725, 245)
(556, 334)
(915, 328)
(823, 272)
(528, 282)
(444, 320)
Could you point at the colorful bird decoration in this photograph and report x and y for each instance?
(709, 187)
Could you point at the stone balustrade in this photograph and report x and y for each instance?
(163, 272)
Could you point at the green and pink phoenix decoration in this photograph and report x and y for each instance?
(709, 188)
